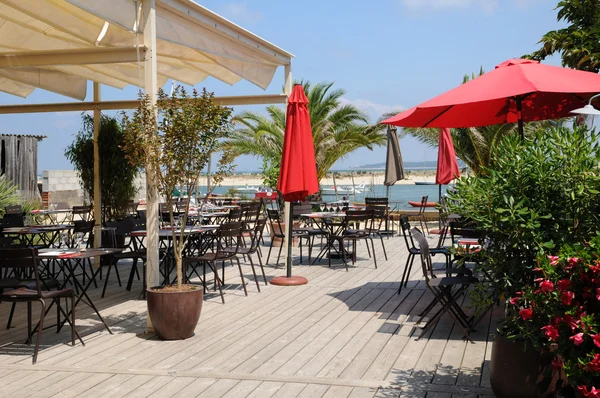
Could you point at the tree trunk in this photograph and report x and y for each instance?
(179, 265)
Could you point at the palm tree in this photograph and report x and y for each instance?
(578, 43)
(338, 129)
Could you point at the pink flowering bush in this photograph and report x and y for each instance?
(560, 313)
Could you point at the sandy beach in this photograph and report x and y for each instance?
(345, 178)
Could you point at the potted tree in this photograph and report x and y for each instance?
(536, 196)
(177, 145)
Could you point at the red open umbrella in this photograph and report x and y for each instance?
(518, 90)
(298, 171)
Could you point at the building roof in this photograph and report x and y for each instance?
(39, 137)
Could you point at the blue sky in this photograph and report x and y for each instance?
(386, 55)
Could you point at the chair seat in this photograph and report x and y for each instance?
(211, 257)
(16, 283)
(356, 233)
(132, 254)
(26, 294)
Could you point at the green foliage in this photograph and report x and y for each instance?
(270, 172)
(9, 193)
(578, 43)
(337, 131)
(178, 145)
(536, 194)
(116, 179)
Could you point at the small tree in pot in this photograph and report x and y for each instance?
(177, 146)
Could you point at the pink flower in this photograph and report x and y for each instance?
(594, 364)
(553, 260)
(563, 284)
(526, 313)
(538, 279)
(596, 339)
(566, 297)
(514, 300)
(598, 293)
(577, 338)
(573, 261)
(551, 332)
(546, 286)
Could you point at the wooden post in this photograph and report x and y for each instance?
(287, 213)
(97, 185)
(151, 88)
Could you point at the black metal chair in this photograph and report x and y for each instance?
(227, 245)
(445, 289)
(257, 233)
(26, 260)
(84, 212)
(356, 218)
(414, 250)
(421, 214)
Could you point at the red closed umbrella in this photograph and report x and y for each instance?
(517, 90)
(447, 166)
(298, 171)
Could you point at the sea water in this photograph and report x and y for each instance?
(399, 196)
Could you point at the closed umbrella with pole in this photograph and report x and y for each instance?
(298, 171)
(447, 166)
(394, 169)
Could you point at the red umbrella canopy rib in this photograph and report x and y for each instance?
(298, 172)
(447, 166)
(546, 92)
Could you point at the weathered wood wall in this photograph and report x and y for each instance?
(19, 161)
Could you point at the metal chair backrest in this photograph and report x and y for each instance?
(376, 201)
(464, 228)
(356, 217)
(21, 259)
(258, 233)
(410, 244)
(275, 219)
(82, 211)
(84, 227)
(14, 210)
(423, 206)
(235, 215)
(426, 263)
(251, 211)
(228, 233)
(299, 209)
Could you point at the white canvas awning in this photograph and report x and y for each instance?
(58, 45)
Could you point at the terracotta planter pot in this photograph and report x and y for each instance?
(516, 371)
(174, 315)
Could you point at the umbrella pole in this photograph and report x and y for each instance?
(520, 116)
(290, 228)
(440, 201)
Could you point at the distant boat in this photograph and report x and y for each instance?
(344, 190)
(418, 204)
(252, 190)
(424, 183)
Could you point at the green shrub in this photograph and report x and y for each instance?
(537, 195)
(116, 174)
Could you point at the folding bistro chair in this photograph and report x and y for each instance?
(445, 289)
(414, 250)
(356, 218)
(26, 260)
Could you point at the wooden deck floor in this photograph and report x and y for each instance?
(345, 334)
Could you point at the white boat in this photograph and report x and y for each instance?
(344, 190)
(249, 190)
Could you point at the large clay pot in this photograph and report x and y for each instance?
(174, 315)
(516, 371)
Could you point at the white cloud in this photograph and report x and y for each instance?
(239, 13)
(372, 108)
(486, 5)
